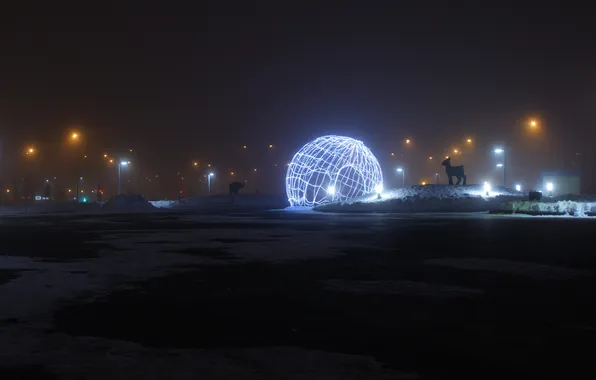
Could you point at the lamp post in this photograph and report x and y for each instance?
(403, 176)
(504, 165)
(209, 183)
(120, 165)
(437, 177)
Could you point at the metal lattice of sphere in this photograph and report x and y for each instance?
(332, 169)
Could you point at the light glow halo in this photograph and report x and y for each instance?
(332, 169)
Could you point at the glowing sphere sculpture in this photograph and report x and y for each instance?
(332, 169)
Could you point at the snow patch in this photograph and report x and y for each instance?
(565, 207)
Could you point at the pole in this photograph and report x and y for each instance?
(403, 178)
(119, 165)
(505, 168)
(209, 184)
(437, 177)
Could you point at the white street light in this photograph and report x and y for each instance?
(403, 176)
(209, 182)
(503, 165)
(518, 188)
(122, 163)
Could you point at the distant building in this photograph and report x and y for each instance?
(562, 182)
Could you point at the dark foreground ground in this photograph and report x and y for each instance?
(423, 296)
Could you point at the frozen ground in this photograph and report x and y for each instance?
(296, 295)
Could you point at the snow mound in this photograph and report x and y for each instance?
(252, 201)
(552, 207)
(429, 198)
(163, 204)
(128, 203)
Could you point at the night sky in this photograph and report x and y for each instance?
(182, 83)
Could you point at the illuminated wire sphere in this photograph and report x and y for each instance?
(332, 169)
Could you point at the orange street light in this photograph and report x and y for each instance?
(469, 141)
(455, 151)
(408, 141)
(195, 164)
(430, 158)
(30, 151)
(75, 137)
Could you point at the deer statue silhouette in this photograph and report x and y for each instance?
(454, 171)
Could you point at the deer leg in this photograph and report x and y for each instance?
(450, 180)
(465, 178)
(458, 180)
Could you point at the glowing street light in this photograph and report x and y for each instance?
(403, 176)
(503, 165)
(30, 151)
(455, 151)
(408, 141)
(120, 165)
(209, 183)
(550, 187)
(518, 187)
(430, 157)
(270, 146)
(195, 164)
(469, 141)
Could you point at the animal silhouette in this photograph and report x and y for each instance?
(454, 171)
(235, 187)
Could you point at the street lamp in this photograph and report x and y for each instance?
(403, 176)
(209, 182)
(550, 187)
(504, 164)
(120, 165)
(437, 177)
